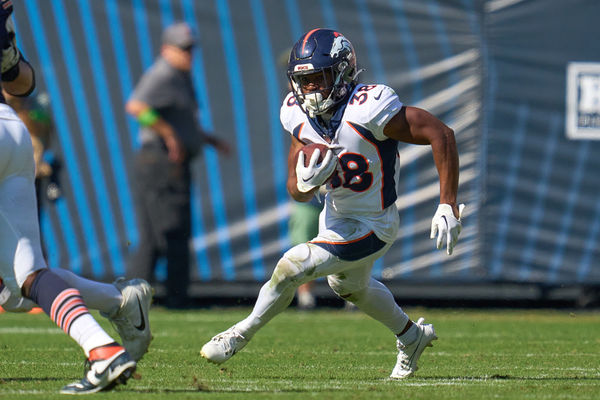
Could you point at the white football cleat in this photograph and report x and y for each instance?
(223, 346)
(131, 319)
(408, 355)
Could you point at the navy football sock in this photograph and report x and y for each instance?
(62, 303)
(66, 308)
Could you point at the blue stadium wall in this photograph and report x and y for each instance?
(495, 71)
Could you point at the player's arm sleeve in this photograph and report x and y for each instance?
(384, 104)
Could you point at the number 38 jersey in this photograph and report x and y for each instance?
(364, 180)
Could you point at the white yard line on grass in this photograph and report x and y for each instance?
(36, 331)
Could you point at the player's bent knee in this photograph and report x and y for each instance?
(287, 272)
(344, 290)
(10, 298)
(26, 288)
(295, 267)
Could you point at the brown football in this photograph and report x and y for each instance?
(309, 149)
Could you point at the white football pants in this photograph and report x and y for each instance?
(20, 247)
(351, 280)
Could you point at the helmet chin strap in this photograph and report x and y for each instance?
(314, 104)
(327, 104)
(356, 74)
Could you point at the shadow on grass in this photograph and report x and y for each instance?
(158, 391)
(440, 379)
(207, 390)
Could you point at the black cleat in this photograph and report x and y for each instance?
(111, 365)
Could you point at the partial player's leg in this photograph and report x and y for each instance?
(18, 219)
(302, 263)
(375, 299)
(337, 248)
(109, 362)
(11, 299)
(104, 297)
(16, 162)
(370, 296)
(126, 304)
(303, 226)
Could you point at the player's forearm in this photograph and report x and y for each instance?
(297, 195)
(445, 156)
(24, 82)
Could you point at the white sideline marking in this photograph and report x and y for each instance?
(34, 331)
(28, 391)
(37, 363)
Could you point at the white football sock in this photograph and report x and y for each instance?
(409, 336)
(88, 334)
(104, 297)
(268, 305)
(378, 302)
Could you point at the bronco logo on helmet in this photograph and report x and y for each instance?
(340, 47)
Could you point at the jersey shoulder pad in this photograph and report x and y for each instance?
(290, 114)
(373, 106)
(370, 100)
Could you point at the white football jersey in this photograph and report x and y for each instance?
(364, 180)
(363, 185)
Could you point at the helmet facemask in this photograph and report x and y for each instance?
(332, 86)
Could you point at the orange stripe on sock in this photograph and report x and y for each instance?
(67, 308)
(59, 299)
(72, 316)
(105, 352)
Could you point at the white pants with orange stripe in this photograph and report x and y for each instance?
(20, 247)
(344, 251)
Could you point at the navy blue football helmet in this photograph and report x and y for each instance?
(325, 52)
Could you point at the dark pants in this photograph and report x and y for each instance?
(163, 207)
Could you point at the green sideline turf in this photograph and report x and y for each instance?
(329, 354)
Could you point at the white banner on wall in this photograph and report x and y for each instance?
(583, 100)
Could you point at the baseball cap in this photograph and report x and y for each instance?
(179, 35)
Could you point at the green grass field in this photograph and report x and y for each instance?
(329, 354)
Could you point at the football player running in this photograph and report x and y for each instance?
(23, 269)
(362, 125)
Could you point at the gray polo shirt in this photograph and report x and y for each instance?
(170, 92)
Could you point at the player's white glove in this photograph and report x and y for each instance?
(9, 68)
(444, 225)
(308, 178)
(10, 53)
